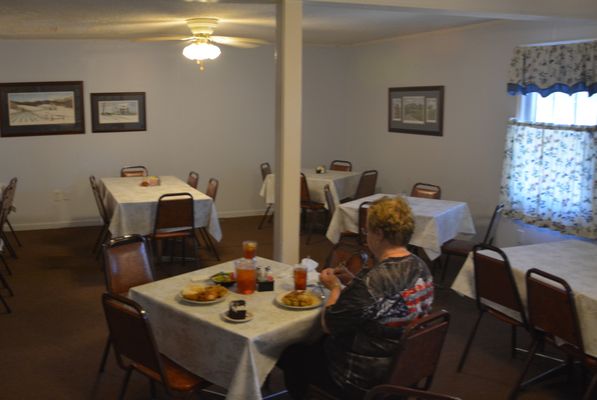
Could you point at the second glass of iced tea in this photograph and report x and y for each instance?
(249, 249)
(246, 276)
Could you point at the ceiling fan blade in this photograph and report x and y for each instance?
(247, 43)
(163, 38)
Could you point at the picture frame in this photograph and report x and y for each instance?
(416, 110)
(118, 112)
(41, 108)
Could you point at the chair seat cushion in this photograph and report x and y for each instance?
(458, 247)
(179, 378)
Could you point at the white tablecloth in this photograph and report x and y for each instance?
(235, 356)
(343, 184)
(132, 207)
(436, 221)
(573, 260)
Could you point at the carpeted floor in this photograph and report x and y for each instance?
(50, 346)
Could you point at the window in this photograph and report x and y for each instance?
(559, 108)
(550, 163)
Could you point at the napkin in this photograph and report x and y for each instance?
(312, 274)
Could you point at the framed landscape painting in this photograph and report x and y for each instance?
(416, 110)
(41, 108)
(118, 112)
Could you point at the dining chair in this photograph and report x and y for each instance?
(349, 257)
(553, 319)
(3, 281)
(127, 263)
(13, 183)
(495, 294)
(175, 220)
(367, 184)
(426, 190)
(132, 171)
(309, 208)
(416, 359)
(193, 179)
(266, 169)
(212, 191)
(340, 165)
(392, 392)
(105, 230)
(462, 248)
(136, 349)
(6, 204)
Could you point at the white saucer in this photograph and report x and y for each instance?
(237, 321)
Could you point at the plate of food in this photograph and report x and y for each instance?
(226, 279)
(203, 294)
(299, 300)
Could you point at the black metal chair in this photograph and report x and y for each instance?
(193, 179)
(553, 319)
(462, 248)
(495, 286)
(309, 208)
(133, 170)
(136, 349)
(367, 184)
(105, 230)
(426, 190)
(13, 184)
(392, 392)
(212, 191)
(340, 165)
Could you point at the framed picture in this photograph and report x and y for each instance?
(41, 108)
(418, 110)
(118, 112)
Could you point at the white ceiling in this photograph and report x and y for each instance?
(326, 22)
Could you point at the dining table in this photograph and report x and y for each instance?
(132, 206)
(436, 221)
(572, 260)
(342, 184)
(235, 356)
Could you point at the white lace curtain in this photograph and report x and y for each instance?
(567, 68)
(549, 177)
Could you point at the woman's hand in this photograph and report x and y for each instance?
(329, 279)
(343, 274)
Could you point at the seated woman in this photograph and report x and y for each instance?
(365, 320)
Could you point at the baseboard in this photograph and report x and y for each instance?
(33, 226)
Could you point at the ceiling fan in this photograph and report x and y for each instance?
(201, 46)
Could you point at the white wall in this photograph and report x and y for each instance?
(472, 63)
(219, 123)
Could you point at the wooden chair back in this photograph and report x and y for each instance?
(193, 179)
(340, 165)
(426, 190)
(493, 224)
(347, 256)
(305, 195)
(212, 188)
(5, 204)
(494, 282)
(127, 263)
(98, 200)
(329, 199)
(175, 210)
(266, 169)
(420, 347)
(131, 334)
(367, 184)
(391, 392)
(133, 170)
(551, 307)
(362, 215)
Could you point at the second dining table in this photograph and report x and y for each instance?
(132, 207)
(436, 221)
(343, 184)
(235, 356)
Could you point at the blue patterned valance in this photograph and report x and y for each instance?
(567, 68)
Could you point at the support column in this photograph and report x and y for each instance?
(289, 22)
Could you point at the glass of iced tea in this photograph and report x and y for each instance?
(246, 276)
(300, 277)
(249, 249)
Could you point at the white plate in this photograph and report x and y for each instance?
(316, 304)
(201, 303)
(237, 321)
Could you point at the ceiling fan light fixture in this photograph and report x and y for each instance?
(200, 51)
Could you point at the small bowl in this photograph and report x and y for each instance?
(225, 279)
